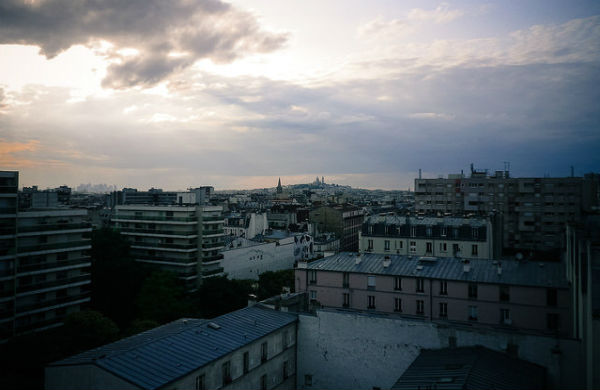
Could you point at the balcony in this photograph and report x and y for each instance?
(213, 219)
(153, 232)
(208, 259)
(58, 302)
(85, 244)
(8, 210)
(211, 233)
(213, 245)
(54, 266)
(122, 217)
(54, 283)
(52, 227)
(182, 259)
(212, 272)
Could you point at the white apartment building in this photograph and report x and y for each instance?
(183, 239)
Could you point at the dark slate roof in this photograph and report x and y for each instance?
(427, 221)
(521, 273)
(159, 356)
(470, 368)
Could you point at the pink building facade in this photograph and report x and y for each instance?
(508, 294)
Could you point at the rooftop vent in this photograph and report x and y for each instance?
(214, 325)
(387, 261)
(466, 267)
(357, 260)
(419, 267)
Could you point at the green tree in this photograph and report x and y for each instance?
(116, 277)
(272, 283)
(219, 295)
(162, 298)
(89, 329)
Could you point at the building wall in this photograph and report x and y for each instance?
(273, 367)
(527, 306)
(403, 246)
(83, 377)
(350, 350)
(250, 261)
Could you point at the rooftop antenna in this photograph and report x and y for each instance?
(506, 168)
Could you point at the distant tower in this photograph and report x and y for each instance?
(322, 180)
(279, 188)
(317, 182)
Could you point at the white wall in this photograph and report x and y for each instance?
(349, 350)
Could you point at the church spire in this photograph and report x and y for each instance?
(279, 188)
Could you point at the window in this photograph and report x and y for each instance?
(475, 232)
(370, 245)
(200, 383)
(398, 283)
(455, 249)
(413, 247)
(429, 247)
(428, 231)
(371, 302)
(397, 304)
(413, 231)
(263, 352)
(284, 338)
(386, 245)
(443, 309)
(505, 316)
(443, 287)
(400, 244)
(346, 280)
(504, 293)
(473, 313)
(286, 373)
(552, 321)
(226, 372)
(346, 300)
(313, 295)
(551, 297)
(444, 231)
(263, 382)
(246, 362)
(371, 282)
(420, 306)
(312, 277)
(474, 250)
(308, 380)
(420, 285)
(443, 247)
(472, 290)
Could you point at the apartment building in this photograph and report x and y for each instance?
(251, 348)
(44, 263)
(345, 221)
(508, 294)
(183, 239)
(469, 238)
(247, 225)
(534, 210)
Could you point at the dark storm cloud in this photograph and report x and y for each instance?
(192, 29)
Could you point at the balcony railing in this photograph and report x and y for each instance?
(162, 232)
(182, 259)
(52, 227)
(212, 245)
(53, 302)
(161, 246)
(53, 283)
(212, 258)
(55, 264)
(154, 218)
(209, 219)
(8, 210)
(212, 271)
(57, 245)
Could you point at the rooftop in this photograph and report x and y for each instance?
(162, 355)
(523, 273)
(470, 368)
(428, 221)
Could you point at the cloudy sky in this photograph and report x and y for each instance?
(235, 94)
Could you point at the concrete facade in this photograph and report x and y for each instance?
(347, 349)
(246, 225)
(534, 210)
(44, 269)
(345, 221)
(183, 239)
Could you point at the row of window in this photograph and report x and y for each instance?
(472, 289)
(226, 367)
(428, 247)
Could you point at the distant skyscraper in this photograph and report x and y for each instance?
(279, 188)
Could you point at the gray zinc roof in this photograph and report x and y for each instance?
(470, 368)
(522, 273)
(159, 356)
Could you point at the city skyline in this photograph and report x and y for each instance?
(236, 95)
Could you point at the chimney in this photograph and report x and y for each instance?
(251, 300)
(357, 260)
(466, 266)
(387, 261)
(499, 269)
